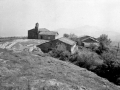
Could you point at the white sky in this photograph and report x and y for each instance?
(17, 16)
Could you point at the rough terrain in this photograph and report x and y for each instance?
(19, 45)
(23, 70)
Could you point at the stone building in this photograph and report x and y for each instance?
(41, 33)
(70, 45)
(88, 40)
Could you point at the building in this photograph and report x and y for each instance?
(70, 45)
(88, 40)
(41, 33)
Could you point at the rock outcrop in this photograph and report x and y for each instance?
(20, 45)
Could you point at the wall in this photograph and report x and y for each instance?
(87, 44)
(46, 47)
(47, 37)
(74, 49)
(55, 42)
(32, 34)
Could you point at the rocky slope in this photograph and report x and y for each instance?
(30, 71)
(19, 45)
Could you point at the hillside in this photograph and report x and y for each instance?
(30, 71)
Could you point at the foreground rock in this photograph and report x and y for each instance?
(27, 71)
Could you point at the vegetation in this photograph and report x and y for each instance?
(104, 39)
(88, 60)
(27, 71)
(110, 67)
(104, 42)
(85, 59)
(60, 52)
(74, 38)
(103, 60)
(71, 36)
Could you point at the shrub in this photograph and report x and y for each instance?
(60, 52)
(66, 35)
(104, 43)
(73, 57)
(110, 67)
(106, 64)
(71, 36)
(104, 39)
(93, 47)
(87, 59)
(108, 56)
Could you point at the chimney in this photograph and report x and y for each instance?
(37, 26)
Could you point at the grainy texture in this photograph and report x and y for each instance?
(30, 71)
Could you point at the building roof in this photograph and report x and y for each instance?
(48, 33)
(67, 41)
(40, 29)
(31, 30)
(43, 29)
(85, 38)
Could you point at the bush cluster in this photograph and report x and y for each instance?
(106, 64)
(60, 52)
(88, 60)
(110, 67)
(82, 58)
(103, 60)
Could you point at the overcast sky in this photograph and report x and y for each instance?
(17, 16)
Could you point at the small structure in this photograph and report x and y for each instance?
(41, 33)
(88, 40)
(70, 45)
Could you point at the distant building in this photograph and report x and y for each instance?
(70, 44)
(88, 40)
(41, 33)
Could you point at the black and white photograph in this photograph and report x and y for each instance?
(59, 44)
